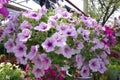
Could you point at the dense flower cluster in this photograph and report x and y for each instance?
(34, 36)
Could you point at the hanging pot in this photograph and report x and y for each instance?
(84, 78)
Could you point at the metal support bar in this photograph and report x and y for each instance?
(21, 4)
(76, 7)
(14, 7)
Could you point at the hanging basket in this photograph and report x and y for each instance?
(84, 78)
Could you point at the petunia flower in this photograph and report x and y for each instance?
(62, 28)
(42, 61)
(10, 28)
(35, 15)
(102, 68)
(46, 62)
(97, 44)
(49, 44)
(25, 35)
(59, 10)
(42, 27)
(85, 72)
(38, 72)
(55, 17)
(37, 61)
(107, 49)
(71, 32)
(60, 40)
(94, 64)
(3, 10)
(26, 13)
(25, 25)
(66, 14)
(20, 49)
(22, 60)
(66, 51)
(4, 1)
(33, 52)
(71, 20)
(79, 60)
(78, 45)
(52, 21)
(9, 45)
(89, 22)
(14, 19)
(80, 30)
(104, 58)
(85, 33)
(43, 10)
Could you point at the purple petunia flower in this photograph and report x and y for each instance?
(25, 35)
(102, 68)
(60, 10)
(71, 20)
(42, 27)
(85, 72)
(107, 49)
(98, 44)
(3, 10)
(46, 62)
(42, 61)
(20, 49)
(62, 28)
(89, 22)
(33, 52)
(55, 17)
(26, 13)
(49, 44)
(99, 28)
(94, 64)
(60, 40)
(10, 28)
(78, 46)
(85, 33)
(38, 72)
(53, 20)
(79, 60)
(22, 60)
(14, 19)
(104, 58)
(66, 51)
(9, 45)
(66, 14)
(37, 61)
(71, 31)
(4, 1)
(35, 15)
(80, 30)
(25, 25)
(43, 10)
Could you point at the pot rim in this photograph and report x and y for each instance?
(84, 77)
